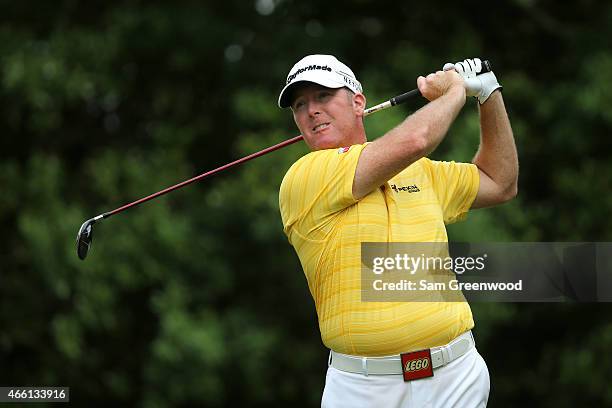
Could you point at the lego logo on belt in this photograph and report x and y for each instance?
(417, 365)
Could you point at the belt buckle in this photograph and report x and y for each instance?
(417, 365)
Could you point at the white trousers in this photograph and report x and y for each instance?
(463, 382)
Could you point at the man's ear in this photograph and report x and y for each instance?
(359, 103)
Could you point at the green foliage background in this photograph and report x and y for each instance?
(197, 298)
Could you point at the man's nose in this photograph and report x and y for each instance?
(314, 108)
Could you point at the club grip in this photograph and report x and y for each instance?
(486, 66)
(396, 100)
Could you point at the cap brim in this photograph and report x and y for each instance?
(284, 99)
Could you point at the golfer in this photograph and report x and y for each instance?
(348, 191)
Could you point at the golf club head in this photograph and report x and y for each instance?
(84, 238)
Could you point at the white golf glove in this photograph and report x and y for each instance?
(480, 85)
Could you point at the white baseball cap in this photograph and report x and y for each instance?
(324, 70)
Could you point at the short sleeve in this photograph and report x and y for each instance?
(316, 189)
(456, 186)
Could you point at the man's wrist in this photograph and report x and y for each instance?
(495, 95)
(457, 91)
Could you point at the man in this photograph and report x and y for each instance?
(345, 192)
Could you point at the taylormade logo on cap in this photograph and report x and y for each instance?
(320, 69)
(291, 77)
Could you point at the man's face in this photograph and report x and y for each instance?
(328, 118)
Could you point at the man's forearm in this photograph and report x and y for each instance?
(431, 122)
(497, 156)
(415, 137)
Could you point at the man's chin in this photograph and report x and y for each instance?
(328, 143)
(327, 146)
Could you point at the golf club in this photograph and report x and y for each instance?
(85, 234)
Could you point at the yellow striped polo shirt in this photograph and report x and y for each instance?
(326, 226)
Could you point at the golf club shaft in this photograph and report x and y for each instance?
(204, 175)
(396, 100)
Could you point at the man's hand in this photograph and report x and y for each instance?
(480, 85)
(437, 84)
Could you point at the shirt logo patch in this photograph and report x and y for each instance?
(343, 150)
(411, 189)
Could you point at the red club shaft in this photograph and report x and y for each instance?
(204, 175)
